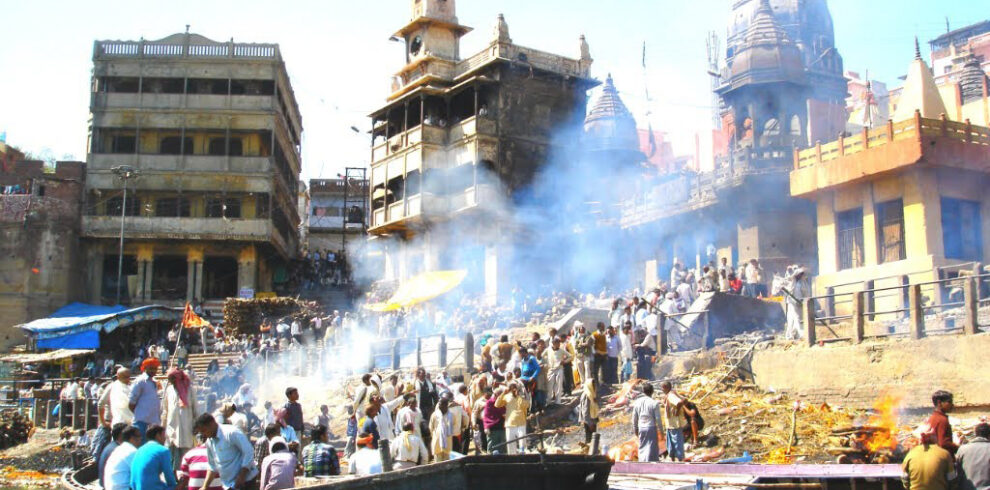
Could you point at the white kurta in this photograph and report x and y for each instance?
(179, 420)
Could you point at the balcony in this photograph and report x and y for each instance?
(408, 139)
(257, 103)
(179, 228)
(181, 163)
(890, 148)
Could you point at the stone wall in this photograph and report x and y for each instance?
(855, 375)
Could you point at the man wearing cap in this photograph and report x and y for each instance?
(927, 466)
(366, 461)
(116, 397)
(144, 400)
(279, 467)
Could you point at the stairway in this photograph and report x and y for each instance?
(198, 362)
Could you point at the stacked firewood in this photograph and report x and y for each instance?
(247, 315)
(15, 428)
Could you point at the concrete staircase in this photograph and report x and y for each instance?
(198, 362)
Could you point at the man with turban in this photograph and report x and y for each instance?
(179, 412)
(144, 399)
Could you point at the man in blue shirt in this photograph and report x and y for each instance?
(152, 463)
(229, 453)
(529, 369)
(144, 400)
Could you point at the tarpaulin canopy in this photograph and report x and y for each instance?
(420, 288)
(77, 325)
(36, 357)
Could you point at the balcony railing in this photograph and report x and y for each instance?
(181, 163)
(179, 228)
(913, 129)
(152, 49)
(117, 100)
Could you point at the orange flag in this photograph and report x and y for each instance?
(191, 320)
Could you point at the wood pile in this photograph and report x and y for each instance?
(246, 315)
(15, 429)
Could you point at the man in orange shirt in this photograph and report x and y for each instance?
(601, 354)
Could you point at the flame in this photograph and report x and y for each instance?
(626, 451)
(778, 456)
(885, 417)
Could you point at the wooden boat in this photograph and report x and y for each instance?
(517, 472)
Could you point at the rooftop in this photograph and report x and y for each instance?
(184, 45)
(891, 147)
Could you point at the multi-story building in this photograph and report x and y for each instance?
(40, 255)
(337, 214)
(457, 138)
(213, 131)
(901, 203)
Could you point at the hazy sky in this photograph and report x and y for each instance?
(340, 59)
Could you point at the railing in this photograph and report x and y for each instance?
(913, 315)
(145, 49)
(913, 128)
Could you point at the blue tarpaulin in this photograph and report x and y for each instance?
(78, 325)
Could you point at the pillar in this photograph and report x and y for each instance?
(148, 275)
(194, 273)
(247, 268)
(497, 259)
(145, 263)
(140, 280)
(198, 287)
(859, 303)
(94, 267)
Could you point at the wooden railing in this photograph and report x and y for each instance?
(914, 128)
(912, 310)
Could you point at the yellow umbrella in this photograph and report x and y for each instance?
(420, 288)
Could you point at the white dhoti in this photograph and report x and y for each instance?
(555, 385)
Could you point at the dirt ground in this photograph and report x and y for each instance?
(35, 464)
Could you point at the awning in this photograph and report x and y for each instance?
(420, 288)
(32, 358)
(77, 325)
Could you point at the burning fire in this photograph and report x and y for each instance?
(884, 418)
(778, 456)
(626, 451)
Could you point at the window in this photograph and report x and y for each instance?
(236, 147)
(413, 181)
(223, 208)
(961, 229)
(849, 231)
(172, 207)
(173, 145)
(217, 147)
(123, 144)
(261, 205)
(114, 205)
(890, 231)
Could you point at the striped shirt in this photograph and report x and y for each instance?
(195, 466)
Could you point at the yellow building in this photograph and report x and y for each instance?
(899, 203)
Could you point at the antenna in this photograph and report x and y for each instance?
(713, 50)
(649, 104)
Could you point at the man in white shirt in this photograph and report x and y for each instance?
(366, 461)
(117, 472)
(296, 330)
(408, 449)
(410, 414)
(117, 397)
(626, 354)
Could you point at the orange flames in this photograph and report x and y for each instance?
(626, 451)
(885, 418)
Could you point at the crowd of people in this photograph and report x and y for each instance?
(938, 462)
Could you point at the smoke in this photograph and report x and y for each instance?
(558, 231)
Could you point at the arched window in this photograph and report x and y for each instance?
(795, 125)
(771, 127)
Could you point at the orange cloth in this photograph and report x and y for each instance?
(149, 362)
(601, 342)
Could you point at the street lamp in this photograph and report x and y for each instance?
(124, 172)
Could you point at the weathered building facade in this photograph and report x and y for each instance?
(337, 214)
(458, 138)
(213, 131)
(40, 255)
(904, 202)
(781, 88)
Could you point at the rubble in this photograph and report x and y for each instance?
(15, 428)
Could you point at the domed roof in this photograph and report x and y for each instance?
(971, 80)
(609, 125)
(808, 23)
(766, 55)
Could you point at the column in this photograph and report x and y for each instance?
(194, 273)
(148, 275)
(870, 245)
(94, 267)
(198, 288)
(139, 294)
(246, 268)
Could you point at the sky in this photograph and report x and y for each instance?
(340, 59)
